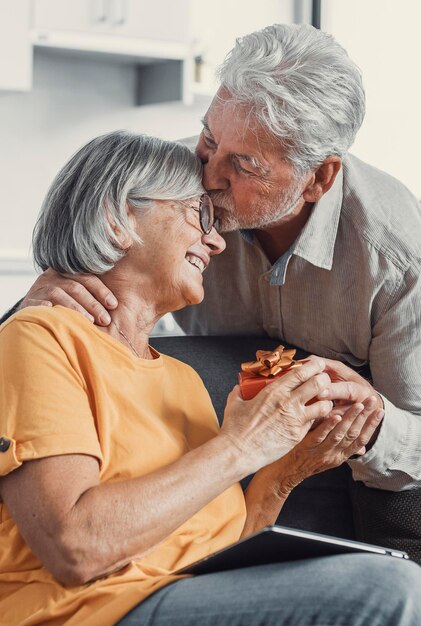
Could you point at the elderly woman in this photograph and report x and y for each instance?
(115, 473)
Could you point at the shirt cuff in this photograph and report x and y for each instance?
(388, 464)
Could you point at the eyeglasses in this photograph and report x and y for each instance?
(206, 214)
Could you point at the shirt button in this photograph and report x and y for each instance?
(4, 444)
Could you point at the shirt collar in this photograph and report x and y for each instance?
(316, 242)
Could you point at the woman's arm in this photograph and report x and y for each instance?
(81, 529)
(331, 443)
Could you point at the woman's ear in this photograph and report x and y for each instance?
(322, 179)
(122, 239)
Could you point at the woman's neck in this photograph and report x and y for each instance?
(134, 318)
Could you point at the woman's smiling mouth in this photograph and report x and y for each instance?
(196, 261)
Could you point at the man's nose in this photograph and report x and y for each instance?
(214, 174)
(214, 242)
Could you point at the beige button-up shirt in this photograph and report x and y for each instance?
(348, 289)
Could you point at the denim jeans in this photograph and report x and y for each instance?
(343, 590)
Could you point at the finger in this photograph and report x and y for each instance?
(83, 301)
(347, 390)
(348, 433)
(296, 377)
(322, 430)
(340, 371)
(63, 299)
(98, 290)
(34, 302)
(312, 388)
(235, 393)
(339, 436)
(318, 410)
(355, 424)
(371, 424)
(341, 409)
(361, 451)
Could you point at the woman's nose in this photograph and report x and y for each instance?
(214, 242)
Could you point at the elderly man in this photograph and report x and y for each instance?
(323, 250)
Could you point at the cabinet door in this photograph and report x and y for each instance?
(77, 15)
(165, 20)
(15, 46)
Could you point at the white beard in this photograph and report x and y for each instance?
(260, 215)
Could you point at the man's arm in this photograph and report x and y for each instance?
(393, 462)
(86, 294)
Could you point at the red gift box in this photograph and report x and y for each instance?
(250, 384)
(269, 366)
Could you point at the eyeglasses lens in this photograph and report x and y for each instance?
(206, 213)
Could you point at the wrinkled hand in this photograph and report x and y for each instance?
(86, 294)
(268, 426)
(347, 388)
(334, 440)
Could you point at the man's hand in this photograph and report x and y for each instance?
(348, 387)
(334, 441)
(86, 294)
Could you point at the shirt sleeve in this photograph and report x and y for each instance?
(44, 404)
(394, 461)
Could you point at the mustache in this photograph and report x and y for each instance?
(222, 199)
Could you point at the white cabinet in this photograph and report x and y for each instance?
(15, 46)
(77, 15)
(155, 36)
(164, 20)
(167, 20)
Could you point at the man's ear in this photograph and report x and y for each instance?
(322, 179)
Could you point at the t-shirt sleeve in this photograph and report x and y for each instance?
(44, 403)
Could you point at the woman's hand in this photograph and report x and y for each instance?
(271, 424)
(331, 443)
(86, 294)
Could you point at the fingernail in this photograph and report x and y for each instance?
(321, 363)
(105, 319)
(324, 393)
(111, 301)
(380, 415)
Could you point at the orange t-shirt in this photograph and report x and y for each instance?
(66, 387)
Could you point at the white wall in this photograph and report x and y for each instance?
(73, 100)
(383, 37)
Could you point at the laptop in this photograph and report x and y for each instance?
(275, 544)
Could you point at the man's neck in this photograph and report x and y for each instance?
(276, 240)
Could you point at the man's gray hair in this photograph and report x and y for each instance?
(73, 233)
(302, 87)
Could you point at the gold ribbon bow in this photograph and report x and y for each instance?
(269, 363)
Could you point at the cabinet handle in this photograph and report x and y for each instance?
(99, 11)
(119, 12)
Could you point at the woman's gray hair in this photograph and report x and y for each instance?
(73, 233)
(302, 87)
